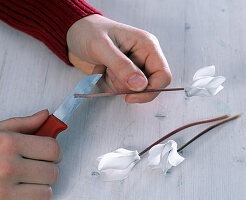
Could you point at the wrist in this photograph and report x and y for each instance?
(79, 35)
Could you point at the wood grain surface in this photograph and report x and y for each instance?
(192, 34)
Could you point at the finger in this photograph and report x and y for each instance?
(38, 172)
(109, 83)
(157, 71)
(157, 62)
(102, 84)
(38, 148)
(139, 57)
(27, 125)
(109, 79)
(122, 67)
(31, 191)
(115, 84)
(155, 81)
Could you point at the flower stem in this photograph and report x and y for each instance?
(182, 128)
(108, 94)
(208, 129)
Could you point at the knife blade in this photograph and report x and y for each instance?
(56, 122)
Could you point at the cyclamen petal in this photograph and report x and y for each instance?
(164, 156)
(174, 158)
(216, 82)
(215, 91)
(204, 84)
(118, 159)
(116, 175)
(116, 165)
(205, 71)
(154, 152)
(192, 91)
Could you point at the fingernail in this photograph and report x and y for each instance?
(110, 75)
(137, 82)
(133, 100)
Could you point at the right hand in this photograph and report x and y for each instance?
(133, 57)
(28, 163)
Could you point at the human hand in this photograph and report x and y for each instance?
(27, 162)
(133, 57)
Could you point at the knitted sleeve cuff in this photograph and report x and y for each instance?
(48, 20)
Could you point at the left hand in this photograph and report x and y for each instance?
(28, 163)
(133, 57)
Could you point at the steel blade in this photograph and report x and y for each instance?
(70, 104)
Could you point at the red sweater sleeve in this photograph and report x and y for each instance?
(46, 20)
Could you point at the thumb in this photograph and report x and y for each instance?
(122, 67)
(26, 125)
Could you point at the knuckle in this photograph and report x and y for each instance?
(47, 193)
(55, 173)
(7, 170)
(55, 149)
(7, 142)
(123, 64)
(168, 77)
(149, 39)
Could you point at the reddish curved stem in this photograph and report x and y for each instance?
(208, 129)
(182, 128)
(108, 94)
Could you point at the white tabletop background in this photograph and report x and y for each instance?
(192, 34)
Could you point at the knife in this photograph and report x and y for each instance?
(56, 122)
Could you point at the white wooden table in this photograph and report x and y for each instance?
(192, 34)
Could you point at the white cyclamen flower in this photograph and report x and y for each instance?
(164, 156)
(205, 83)
(116, 165)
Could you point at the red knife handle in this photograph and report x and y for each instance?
(51, 127)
